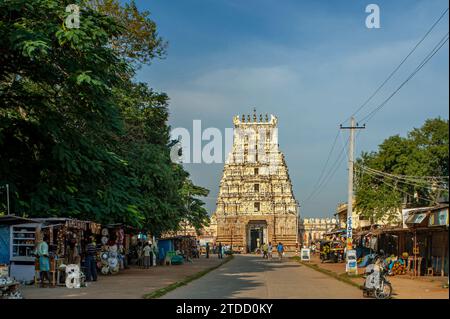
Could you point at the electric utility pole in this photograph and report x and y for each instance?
(352, 129)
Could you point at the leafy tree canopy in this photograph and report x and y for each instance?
(412, 161)
(79, 137)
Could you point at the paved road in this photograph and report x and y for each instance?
(249, 276)
(131, 283)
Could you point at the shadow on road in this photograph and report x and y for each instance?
(244, 273)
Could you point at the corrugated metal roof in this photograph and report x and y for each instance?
(427, 209)
(15, 220)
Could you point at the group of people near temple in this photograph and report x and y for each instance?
(267, 250)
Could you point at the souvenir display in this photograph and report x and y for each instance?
(104, 240)
(9, 288)
(105, 270)
(112, 262)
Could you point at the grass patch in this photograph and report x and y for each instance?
(162, 291)
(341, 277)
(295, 258)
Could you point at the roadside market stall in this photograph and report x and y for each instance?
(119, 247)
(67, 241)
(13, 245)
(418, 248)
(172, 248)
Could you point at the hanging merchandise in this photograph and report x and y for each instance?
(61, 247)
(373, 243)
(105, 270)
(112, 262)
(105, 232)
(104, 240)
(104, 255)
(113, 249)
(120, 236)
(95, 228)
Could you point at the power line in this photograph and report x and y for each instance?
(325, 166)
(321, 183)
(397, 189)
(412, 177)
(438, 46)
(407, 182)
(398, 66)
(333, 169)
(328, 176)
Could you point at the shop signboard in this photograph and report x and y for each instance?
(439, 218)
(305, 254)
(352, 265)
(349, 232)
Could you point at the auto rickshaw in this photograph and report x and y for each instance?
(331, 251)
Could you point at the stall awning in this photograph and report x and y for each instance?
(427, 216)
(10, 220)
(338, 231)
(417, 218)
(439, 217)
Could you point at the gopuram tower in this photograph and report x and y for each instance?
(256, 204)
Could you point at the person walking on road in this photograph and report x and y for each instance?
(265, 250)
(207, 250)
(220, 252)
(280, 249)
(269, 251)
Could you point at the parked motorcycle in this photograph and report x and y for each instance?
(376, 284)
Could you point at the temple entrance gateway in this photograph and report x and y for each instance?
(256, 234)
(256, 204)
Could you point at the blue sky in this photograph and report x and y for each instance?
(310, 63)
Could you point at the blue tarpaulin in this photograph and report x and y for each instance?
(5, 242)
(164, 245)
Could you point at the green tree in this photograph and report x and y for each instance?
(411, 162)
(79, 138)
(164, 187)
(139, 42)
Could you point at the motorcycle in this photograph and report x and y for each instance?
(376, 284)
